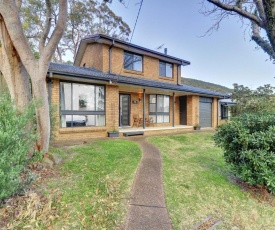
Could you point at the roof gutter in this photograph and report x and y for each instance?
(74, 77)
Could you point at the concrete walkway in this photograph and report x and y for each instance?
(147, 204)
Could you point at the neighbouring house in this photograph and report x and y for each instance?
(116, 85)
(224, 110)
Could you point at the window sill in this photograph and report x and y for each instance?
(87, 129)
(133, 72)
(167, 78)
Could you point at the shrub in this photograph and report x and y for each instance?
(248, 142)
(16, 140)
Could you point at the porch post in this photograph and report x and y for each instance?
(173, 110)
(144, 102)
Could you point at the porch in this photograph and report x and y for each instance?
(160, 130)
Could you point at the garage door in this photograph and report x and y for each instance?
(206, 111)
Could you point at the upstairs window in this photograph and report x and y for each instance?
(132, 61)
(165, 69)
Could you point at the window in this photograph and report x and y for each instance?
(165, 69)
(132, 61)
(159, 108)
(224, 112)
(82, 105)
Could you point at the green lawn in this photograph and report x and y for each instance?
(92, 187)
(197, 185)
(95, 185)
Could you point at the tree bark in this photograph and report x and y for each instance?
(37, 69)
(40, 94)
(13, 71)
(269, 8)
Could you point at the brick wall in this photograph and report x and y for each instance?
(112, 107)
(97, 56)
(93, 57)
(215, 113)
(192, 110)
(112, 114)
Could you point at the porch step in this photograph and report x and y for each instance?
(126, 134)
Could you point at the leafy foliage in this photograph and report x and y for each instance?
(248, 142)
(16, 141)
(84, 17)
(206, 85)
(250, 101)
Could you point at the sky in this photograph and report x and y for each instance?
(225, 57)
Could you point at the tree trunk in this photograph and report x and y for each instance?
(13, 71)
(40, 94)
(37, 69)
(269, 6)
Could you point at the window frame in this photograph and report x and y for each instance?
(65, 112)
(132, 55)
(157, 113)
(224, 112)
(165, 74)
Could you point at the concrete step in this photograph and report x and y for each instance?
(126, 134)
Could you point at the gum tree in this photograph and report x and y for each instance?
(84, 17)
(259, 13)
(21, 69)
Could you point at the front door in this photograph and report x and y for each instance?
(183, 110)
(124, 110)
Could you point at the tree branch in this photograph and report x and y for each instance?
(15, 30)
(260, 8)
(239, 11)
(264, 44)
(46, 30)
(58, 31)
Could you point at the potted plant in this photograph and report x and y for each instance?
(197, 127)
(113, 133)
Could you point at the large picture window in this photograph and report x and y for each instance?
(159, 108)
(165, 69)
(82, 105)
(132, 61)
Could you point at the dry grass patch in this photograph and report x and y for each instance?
(90, 190)
(198, 184)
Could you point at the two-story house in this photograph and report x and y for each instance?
(114, 84)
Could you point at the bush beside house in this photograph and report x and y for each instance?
(248, 142)
(16, 141)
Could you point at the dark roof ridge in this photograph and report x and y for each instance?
(95, 37)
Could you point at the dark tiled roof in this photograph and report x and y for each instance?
(89, 73)
(96, 37)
